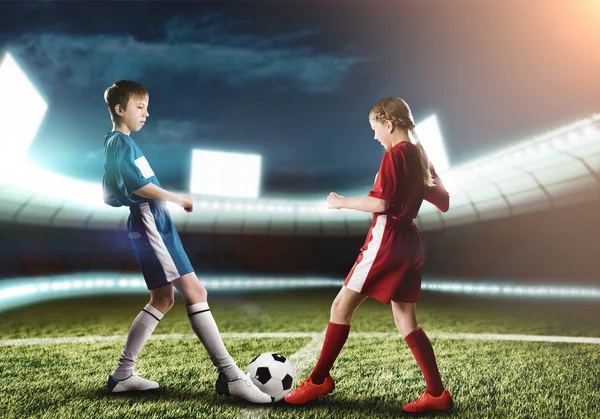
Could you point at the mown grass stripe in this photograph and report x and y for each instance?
(314, 336)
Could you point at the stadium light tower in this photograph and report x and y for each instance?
(225, 174)
(433, 142)
(22, 110)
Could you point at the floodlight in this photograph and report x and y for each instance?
(22, 109)
(225, 174)
(433, 142)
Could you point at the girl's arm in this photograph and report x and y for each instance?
(437, 195)
(365, 203)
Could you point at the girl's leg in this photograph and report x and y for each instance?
(320, 382)
(405, 317)
(435, 397)
(338, 328)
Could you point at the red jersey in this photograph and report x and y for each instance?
(390, 264)
(400, 182)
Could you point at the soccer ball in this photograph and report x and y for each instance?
(273, 374)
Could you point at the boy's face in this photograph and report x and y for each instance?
(134, 116)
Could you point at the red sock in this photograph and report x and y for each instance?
(421, 348)
(334, 342)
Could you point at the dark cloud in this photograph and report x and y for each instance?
(294, 81)
(178, 132)
(204, 49)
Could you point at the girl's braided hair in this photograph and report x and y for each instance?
(396, 111)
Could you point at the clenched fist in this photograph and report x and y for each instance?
(334, 201)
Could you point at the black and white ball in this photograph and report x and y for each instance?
(273, 374)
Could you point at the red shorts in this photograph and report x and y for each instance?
(390, 263)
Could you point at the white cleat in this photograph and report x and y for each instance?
(132, 383)
(242, 387)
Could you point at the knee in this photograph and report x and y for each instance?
(398, 320)
(191, 289)
(163, 303)
(339, 314)
(405, 325)
(335, 307)
(407, 329)
(195, 293)
(202, 292)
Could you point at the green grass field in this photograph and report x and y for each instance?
(374, 376)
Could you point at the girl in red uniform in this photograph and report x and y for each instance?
(390, 263)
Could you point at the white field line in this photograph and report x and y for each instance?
(315, 342)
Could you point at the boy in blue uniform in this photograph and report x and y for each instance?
(130, 181)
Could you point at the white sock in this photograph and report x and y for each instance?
(206, 329)
(141, 329)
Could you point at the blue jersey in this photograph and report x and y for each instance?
(125, 171)
(156, 244)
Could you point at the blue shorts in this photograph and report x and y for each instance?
(156, 244)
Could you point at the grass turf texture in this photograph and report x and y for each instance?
(306, 311)
(374, 376)
(68, 381)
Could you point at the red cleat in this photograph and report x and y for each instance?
(308, 391)
(428, 402)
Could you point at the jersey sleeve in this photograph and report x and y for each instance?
(437, 194)
(388, 178)
(127, 176)
(108, 195)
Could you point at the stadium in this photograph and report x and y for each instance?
(510, 287)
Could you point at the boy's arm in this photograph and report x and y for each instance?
(151, 191)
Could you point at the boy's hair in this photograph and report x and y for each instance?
(120, 93)
(396, 111)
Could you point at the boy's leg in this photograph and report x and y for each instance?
(320, 382)
(204, 325)
(161, 300)
(231, 379)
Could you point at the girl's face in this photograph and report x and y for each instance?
(383, 132)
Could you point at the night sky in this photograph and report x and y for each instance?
(294, 81)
